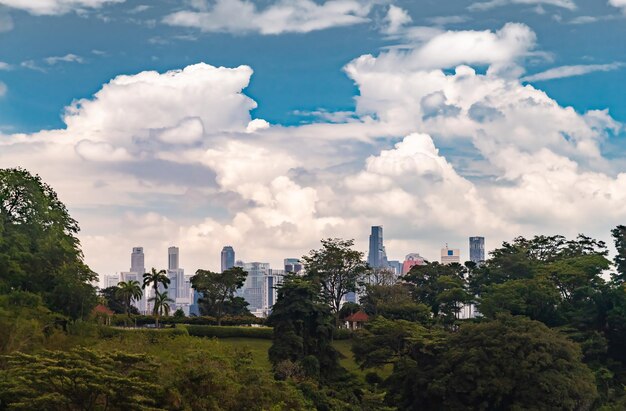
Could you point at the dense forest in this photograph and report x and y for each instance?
(551, 333)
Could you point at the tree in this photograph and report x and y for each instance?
(39, 248)
(394, 302)
(509, 363)
(336, 269)
(619, 237)
(114, 301)
(129, 291)
(161, 305)
(81, 379)
(303, 329)
(217, 289)
(155, 278)
(442, 288)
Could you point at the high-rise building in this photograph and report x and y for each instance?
(228, 258)
(137, 264)
(450, 255)
(477, 249)
(377, 258)
(396, 267)
(252, 290)
(411, 260)
(293, 265)
(179, 288)
(173, 258)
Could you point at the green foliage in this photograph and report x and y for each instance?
(25, 322)
(218, 291)
(114, 300)
(230, 332)
(507, 363)
(619, 238)
(39, 250)
(440, 287)
(302, 327)
(336, 269)
(129, 291)
(155, 278)
(179, 314)
(394, 302)
(161, 302)
(80, 379)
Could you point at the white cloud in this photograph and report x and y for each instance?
(619, 4)
(55, 7)
(487, 5)
(68, 58)
(175, 158)
(5, 66)
(571, 71)
(395, 19)
(3, 89)
(281, 16)
(451, 48)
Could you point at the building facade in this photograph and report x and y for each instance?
(377, 257)
(477, 249)
(410, 261)
(227, 258)
(293, 265)
(450, 255)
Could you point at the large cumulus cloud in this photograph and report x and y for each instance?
(433, 154)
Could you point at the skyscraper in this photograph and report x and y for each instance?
(137, 264)
(228, 258)
(477, 249)
(377, 258)
(172, 258)
(450, 255)
(292, 265)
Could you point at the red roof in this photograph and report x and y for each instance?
(358, 317)
(101, 309)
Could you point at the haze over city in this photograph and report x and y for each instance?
(271, 125)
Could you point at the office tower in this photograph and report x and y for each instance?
(396, 267)
(252, 290)
(450, 255)
(377, 258)
(172, 258)
(179, 288)
(228, 258)
(477, 249)
(293, 265)
(410, 261)
(137, 261)
(272, 280)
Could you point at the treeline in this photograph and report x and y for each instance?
(550, 335)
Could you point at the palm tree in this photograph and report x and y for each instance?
(155, 278)
(129, 291)
(161, 305)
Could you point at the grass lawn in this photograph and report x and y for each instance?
(259, 347)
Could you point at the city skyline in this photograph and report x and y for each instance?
(189, 124)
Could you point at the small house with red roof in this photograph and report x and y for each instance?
(102, 314)
(356, 320)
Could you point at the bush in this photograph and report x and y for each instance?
(141, 320)
(109, 332)
(342, 334)
(265, 333)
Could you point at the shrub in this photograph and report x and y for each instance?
(229, 332)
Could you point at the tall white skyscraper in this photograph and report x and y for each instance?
(137, 264)
(179, 288)
(172, 258)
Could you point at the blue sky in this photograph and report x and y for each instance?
(436, 119)
(288, 67)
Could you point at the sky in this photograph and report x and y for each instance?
(271, 124)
